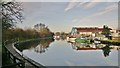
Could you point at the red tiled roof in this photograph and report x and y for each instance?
(90, 29)
(88, 48)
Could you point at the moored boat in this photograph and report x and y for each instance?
(71, 39)
(97, 41)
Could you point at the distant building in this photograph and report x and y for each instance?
(87, 31)
(115, 33)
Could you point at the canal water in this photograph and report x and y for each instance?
(62, 53)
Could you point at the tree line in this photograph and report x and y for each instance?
(22, 34)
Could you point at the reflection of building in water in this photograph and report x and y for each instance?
(105, 48)
(115, 47)
(43, 45)
(84, 46)
(93, 46)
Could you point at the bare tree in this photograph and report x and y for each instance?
(11, 14)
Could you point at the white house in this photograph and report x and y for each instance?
(115, 33)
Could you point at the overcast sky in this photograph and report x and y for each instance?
(62, 16)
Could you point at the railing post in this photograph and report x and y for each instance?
(23, 64)
(14, 59)
(8, 54)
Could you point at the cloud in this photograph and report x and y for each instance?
(81, 3)
(85, 3)
(74, 3)
(71, 5)
(92, 17)
(90, 5)
(106, 10)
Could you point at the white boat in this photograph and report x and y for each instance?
(71, 39)
(97, 42)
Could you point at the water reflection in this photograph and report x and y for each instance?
(27, 45)
(63, 53)
(39, 46)
(106, 48)
(84, 46)
(43, 45)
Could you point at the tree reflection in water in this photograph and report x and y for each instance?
(27, 45)
(39, 45)
(43, 45)
(106, 50)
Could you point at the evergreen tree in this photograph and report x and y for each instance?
(106, 30)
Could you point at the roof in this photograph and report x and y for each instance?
(88, 48)
(89, 29)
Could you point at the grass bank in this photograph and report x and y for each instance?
(113, 42)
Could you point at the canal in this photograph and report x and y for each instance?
(62, 53)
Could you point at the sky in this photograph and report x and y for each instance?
(65, 0)
(62, 16)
